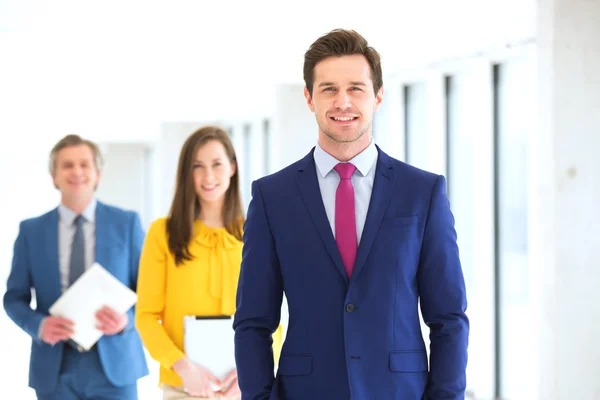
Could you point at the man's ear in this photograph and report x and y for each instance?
(378, 98)
(98, 180)
(308, 98)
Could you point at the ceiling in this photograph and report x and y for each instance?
(168, 60)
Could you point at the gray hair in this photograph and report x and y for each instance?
(74, 140)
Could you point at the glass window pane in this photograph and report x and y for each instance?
(416, 125)
(471, 192)
(515, 119)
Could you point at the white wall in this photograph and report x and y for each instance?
(564, 200)
(295, 129)
(127, 179)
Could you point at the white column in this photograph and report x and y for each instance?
(565, 194)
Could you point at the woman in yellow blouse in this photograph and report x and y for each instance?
(190, 264)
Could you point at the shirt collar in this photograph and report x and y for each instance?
(68, 216)
(363, 161)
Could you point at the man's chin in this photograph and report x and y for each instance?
(78, 196)
(344, 138)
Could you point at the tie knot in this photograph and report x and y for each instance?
(79, 220)
(345, 170)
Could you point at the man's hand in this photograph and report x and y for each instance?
(110, 322)
(55, 329)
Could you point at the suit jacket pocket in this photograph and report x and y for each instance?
(398, 221)
(295, 365)
(408, 361)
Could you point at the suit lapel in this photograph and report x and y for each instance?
(383, 185)
(51, 253)
(309, 189)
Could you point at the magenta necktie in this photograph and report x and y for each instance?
(345, 216)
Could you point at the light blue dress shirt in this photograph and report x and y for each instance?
(66, 231)
(362, 180)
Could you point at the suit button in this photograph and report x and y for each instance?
(350, 307)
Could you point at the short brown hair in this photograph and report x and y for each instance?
(74, 140)
(337, 43)
(185, 208)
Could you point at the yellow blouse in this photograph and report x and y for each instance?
(205, 285)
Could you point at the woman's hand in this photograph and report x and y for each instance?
(230, 386)
(196, 379)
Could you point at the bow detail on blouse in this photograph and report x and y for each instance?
(221, 268)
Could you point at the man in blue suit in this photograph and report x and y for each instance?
(50, 253)
(355, 239)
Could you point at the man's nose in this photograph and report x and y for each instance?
(342, 101)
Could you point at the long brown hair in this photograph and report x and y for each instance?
(185, 208)
(337, 43)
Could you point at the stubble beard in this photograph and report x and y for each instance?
(335, 138)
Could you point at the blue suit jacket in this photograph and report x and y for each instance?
(119, 239)
(357, 338)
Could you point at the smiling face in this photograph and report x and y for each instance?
(212, 172)
(343, 100)
(76, 175)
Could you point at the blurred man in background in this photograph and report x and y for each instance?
(51, 252)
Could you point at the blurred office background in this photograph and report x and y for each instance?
(502, 97)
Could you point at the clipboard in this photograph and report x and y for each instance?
(209, 342)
